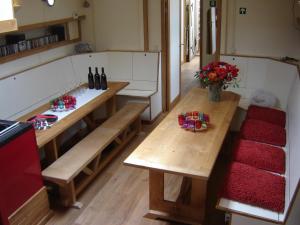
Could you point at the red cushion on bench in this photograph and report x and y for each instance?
(261, 156)
(274, 116)
(256, 187)
(260, 131)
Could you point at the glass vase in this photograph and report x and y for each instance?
(214, 92)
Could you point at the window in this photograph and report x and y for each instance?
(7, 20)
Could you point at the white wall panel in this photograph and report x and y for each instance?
(279, 80)
(32, 87)
(120, 65)
(81, 64)
(145, 66)
(256, 74)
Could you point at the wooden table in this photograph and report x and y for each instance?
(48, 138)
(170, 149)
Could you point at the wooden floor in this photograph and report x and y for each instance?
(188, 71)
(119, 195)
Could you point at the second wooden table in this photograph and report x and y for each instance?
(171, 149)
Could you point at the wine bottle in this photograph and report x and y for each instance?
(97, 80)
(91, 79)
(103, 80)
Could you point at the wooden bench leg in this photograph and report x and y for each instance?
(89, 120)
(137, 125)
(67, 194)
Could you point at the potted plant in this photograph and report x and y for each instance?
(217, 76)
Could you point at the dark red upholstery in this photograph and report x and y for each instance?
(264, 132)
(274, 116)
(256, 187)
(259, 155)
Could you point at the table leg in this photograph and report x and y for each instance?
(191, 212)
(89, 120)
(51, 151)
(111, 106)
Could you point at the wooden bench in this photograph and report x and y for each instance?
(76, 168)
(243, 214)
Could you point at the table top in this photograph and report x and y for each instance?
(171, 149)
(44, 136)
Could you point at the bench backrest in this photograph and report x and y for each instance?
(26, 91)
(262, 73)
(140, 69)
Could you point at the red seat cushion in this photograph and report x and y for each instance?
(261, 156)
(260, 131)
(274, 116)
(256, 187)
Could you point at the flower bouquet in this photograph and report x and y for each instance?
(217, 76)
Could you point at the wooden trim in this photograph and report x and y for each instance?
(180, 83)
(201, 34)
(184, 31)
(219, 29)
(124, 50)
(168, 56)
(174, 103)
(150, 122)
(8, 26)
(146, 25)
(164, 46)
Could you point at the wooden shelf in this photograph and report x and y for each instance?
(18, 55)
(65, 21)
(45, 24)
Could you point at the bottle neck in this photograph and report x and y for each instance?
(90, 70)
(103, 70)
(97, 70)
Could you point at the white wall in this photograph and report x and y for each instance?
(118, 24)
(266, 30)
(154, 23)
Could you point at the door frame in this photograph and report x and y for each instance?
(165, 43)
(165, 38)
